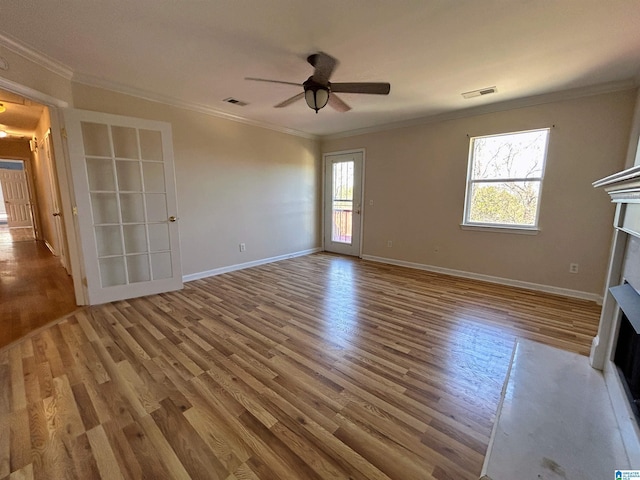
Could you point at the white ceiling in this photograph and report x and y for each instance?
(199, 51)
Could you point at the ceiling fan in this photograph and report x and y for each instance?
(318, 90)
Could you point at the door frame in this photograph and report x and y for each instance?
(324, 188)
(62, 177)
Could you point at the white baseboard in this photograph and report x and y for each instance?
(490, 278)
(51, 249)
(240, 266)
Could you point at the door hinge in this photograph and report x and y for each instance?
(63, 132)
(74, 210)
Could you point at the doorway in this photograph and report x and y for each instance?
(120, 223)
(34, 286)
(343, 179)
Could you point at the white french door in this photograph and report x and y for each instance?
(124, 184)
(16, 198)
(343, 202)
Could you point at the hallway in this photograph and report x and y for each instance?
(34, 288)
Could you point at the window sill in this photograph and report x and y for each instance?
(502, 229)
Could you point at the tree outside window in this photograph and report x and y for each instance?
(504, 179)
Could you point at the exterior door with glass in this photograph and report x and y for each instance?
(343, 202)
(124, 184)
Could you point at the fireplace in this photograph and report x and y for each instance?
(626, 355)
(616, 348)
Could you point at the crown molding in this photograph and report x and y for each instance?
(35, 56)
(66, 72)
(93, 81)
(496, 107)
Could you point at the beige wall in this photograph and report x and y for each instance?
(15, 149)
(416, 177)
(236, 183)
(633, 151)
(29, 74)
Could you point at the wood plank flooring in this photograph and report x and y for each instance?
(319, 367)
(34, 288)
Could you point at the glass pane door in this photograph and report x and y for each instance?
(123, 176)
(128, 200)
(342, 202)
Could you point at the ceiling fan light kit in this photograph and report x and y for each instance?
(316, 95)
(319, 91)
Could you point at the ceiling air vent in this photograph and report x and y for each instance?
(235, 101)
(479, 93)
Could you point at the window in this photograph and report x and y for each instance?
(504, 179)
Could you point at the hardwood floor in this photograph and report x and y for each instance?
(34, 288)
(315, 367)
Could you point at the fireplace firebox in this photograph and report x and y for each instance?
(616, 348)
(627, 359)
(627, 349)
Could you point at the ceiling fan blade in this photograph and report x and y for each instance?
(272, 81)
(289, 101)
(378, 88)
(337, 103)
(324, 65)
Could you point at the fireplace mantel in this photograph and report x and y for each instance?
(620, 180)
(623, 187)
(624, 267)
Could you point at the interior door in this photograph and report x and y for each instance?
(16, 198)
(343, 202)
(124, 184)
(55, 202)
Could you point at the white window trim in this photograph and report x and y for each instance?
(497, 227)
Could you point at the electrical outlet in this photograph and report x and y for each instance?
(243, 247)
(371, 202)
(573, 268)
(389, 243)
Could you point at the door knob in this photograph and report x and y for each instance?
(172, 218)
